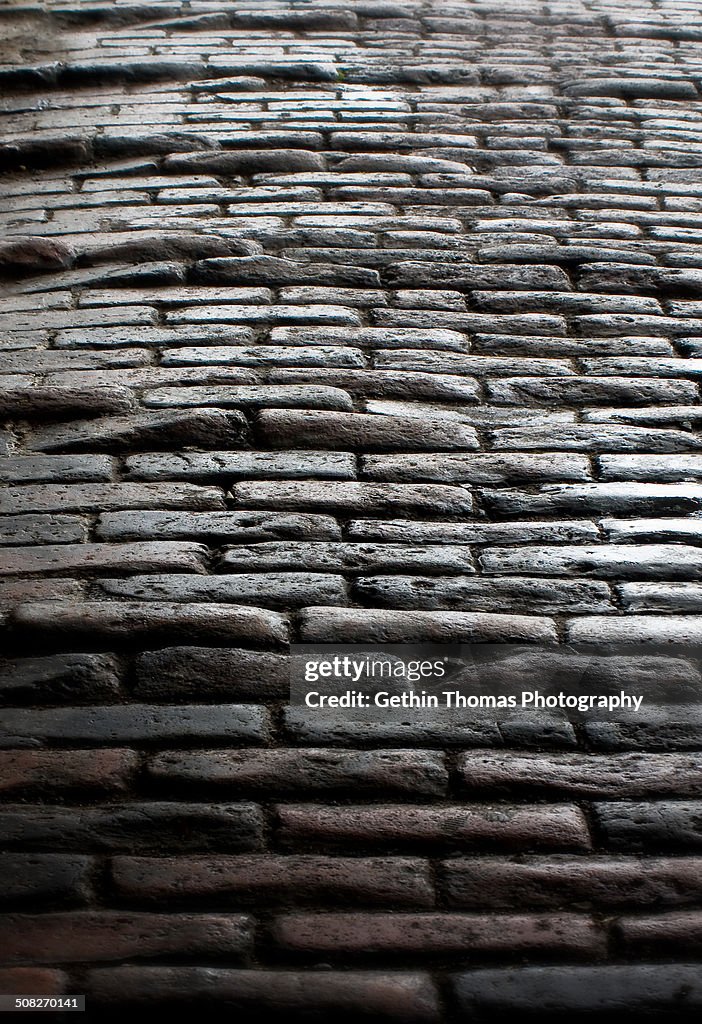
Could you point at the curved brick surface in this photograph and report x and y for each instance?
(345, 320)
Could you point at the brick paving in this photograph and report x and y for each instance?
(345, 321)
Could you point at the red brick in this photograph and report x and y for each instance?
(584, 775)
(66, 769)
(481, 882)
(408, 998)
(662, 933)
(394, 881)
(107, 935)
(551, 826)
(434, 934)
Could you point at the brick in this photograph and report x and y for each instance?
(353, 498)
(320, 770)
(38, 401)
(88, 935)
(482, 468)
(399, 881)
(107, 497)
(560, 879)
(597, 499)
(484, 595)
(149, 556)
(58, 677)
(652, 530)
(585, 775)
(138, 723)
(591, 391)
(155, 619)
(441, 387)
(341, 625)
(436, 934)
(558, 826)
(355, 430)
(606, 988)
(56, 770)
(680, 930)
(470, 277)
(220, 466)
(394, 996)
(287, 396)
(136, 826)
(643, 629)
(594, 437)
(660, 825)
(627, 561)
(272, 270)
(147, 430)
(477, 532)
(343, 557)
(371, 337)
(650, 467)
(38, 529)
(241, 527)
(46, 879)
(245, 161)
(59, 468)
(439, 731)
(202, 672)
(277, 590)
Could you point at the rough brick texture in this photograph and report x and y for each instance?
(354, 321)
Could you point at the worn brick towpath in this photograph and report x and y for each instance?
(345, 321)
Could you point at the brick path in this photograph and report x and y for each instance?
(323, 320)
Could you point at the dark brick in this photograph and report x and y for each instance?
(629, 989)
(60, 677)
(206, 672)
(438, 933)
(398, 881)
(45, 879)
(348, 995)
(555, 826)
(61, 769)
(110, 935)
(309, 770)
(135, 826)
(562, 880)
(153, 618)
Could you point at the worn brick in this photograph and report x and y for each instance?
(393, 996)
(206, 672)
(277, 590)
(222, 466)
(146, 430)
(504, 825)
(341, 625)
(133, 826)
(94, 935)
(64, 559)
(353, 498)
(59, 677)
(355, 430)
(46, 879)
(33, 981)
(152, 618)
(399, 771)
(639, 988)
(106, 497)
(42, 529)
(560, 879)
(399, 881)
(56, 770)
(437, 933)
(241, 527)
